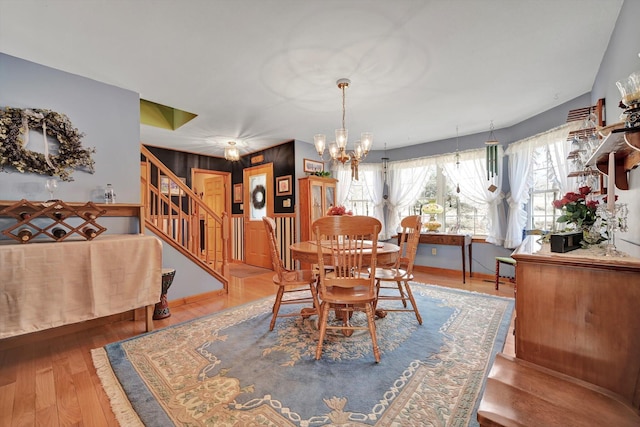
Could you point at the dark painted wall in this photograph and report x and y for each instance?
(282, 156)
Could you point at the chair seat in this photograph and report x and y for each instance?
(295, 277)
(506, 260)
(392, 274)
(337, 295)
(503, 260)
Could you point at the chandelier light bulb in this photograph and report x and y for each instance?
(366, 139)
(334, 150)
(357, 152)
(342, 135)
(319, 141)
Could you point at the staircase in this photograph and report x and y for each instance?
(179, 217)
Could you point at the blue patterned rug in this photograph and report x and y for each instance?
(227, 369)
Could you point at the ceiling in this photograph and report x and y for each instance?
(262, 72)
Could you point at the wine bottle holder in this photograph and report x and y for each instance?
(30, 215)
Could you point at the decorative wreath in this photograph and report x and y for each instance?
(14, 138)
(258, 204)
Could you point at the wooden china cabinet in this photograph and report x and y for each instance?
(317, 195)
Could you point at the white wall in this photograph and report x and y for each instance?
(620, 60)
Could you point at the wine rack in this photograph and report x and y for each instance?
(53, 219)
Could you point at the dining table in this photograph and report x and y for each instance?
(387, 254)
(307, 252)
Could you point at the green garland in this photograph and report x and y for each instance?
(70, 154)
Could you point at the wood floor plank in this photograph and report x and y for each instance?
(7, 396)
(45, 389)
(47, 417)
(66, 395)
(8, 371)
(92, 414)
(24, 404)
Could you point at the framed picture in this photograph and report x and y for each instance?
(237, 193)
(283, 185)
(311, 166)
(170, 187)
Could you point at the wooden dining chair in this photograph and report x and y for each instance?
(349, 244)
(402, 272)
(290, 281)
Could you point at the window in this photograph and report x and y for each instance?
(541, 215)
(461, 212)
(358, 200)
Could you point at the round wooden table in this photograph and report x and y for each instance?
(387, 253)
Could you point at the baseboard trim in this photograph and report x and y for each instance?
(449, 272)
(196, 298)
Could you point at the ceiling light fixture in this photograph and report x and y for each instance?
(231, 152)
(338, 148)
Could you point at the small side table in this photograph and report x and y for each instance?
(161, 310)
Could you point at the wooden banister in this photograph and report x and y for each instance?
(175, 213)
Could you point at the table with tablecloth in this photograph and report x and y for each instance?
(49, 284)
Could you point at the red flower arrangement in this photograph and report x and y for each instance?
(338, 210)
(577, 209)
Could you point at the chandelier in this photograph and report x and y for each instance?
(231, 152)
(338, 148)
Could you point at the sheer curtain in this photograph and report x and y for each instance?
(472, 176)
(407, 180)
(521, 179)
(559, 150)
(373, 184)
(343, 174)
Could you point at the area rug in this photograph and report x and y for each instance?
(228, 369)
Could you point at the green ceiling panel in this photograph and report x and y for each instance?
(162, 116)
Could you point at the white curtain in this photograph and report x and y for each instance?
(472, 176)
(371, 178)
(343, 174)
(559, 150)
(372, 182)
(406, 181)
(521, 179)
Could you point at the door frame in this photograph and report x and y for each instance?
(195, 172)
(270, 199)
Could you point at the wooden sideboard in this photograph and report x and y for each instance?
(579, 314)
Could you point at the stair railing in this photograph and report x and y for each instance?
(181, 218)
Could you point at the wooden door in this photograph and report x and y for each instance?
(258, 196)
(214, 197)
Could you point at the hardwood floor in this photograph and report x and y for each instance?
(48, 379)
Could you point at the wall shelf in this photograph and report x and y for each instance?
(75, 220)
(627, 155)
